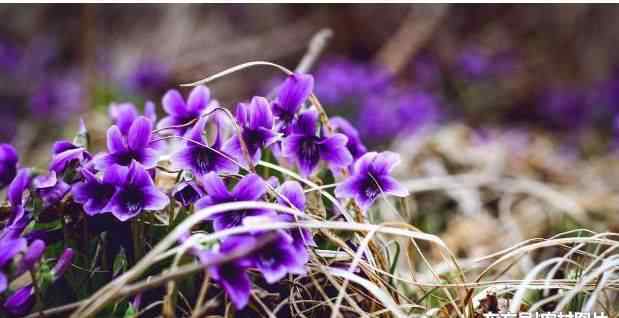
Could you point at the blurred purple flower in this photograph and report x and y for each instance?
(135, 192)
(181, 112)
(148, 76)
(307, 148)
(256, 121)
(200, 160)
(57, 98)
(399, 112)
(565, 108)
(9, 57)
(279, 257)
(371, 179)
(232, 275)
(8, 164)
(249, 188)
(63, 263)
(136, 146)
(31, 257)
(21, 301)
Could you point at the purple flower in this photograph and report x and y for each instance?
(279, 257)
(148, 76)
(63, 263)
(21, 301)
(57, 98)
(135, 147)
(9, 247)
(187, 193)
(92, 193)
(256, 121)
(397, 112)
(50, 188)
(291, 95)
(201, 160)
(354, 144)
(565, 108)
(31, 257)
(371, 179)
(179, 112)
(15, 193)
(250, 188)
(291, 194)
(123, 115)
(232, 275)
(473, 64)
(135, 192)
(307, 148)
(8, 164)
(3, 282)
(66, 154)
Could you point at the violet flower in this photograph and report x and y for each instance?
(15, 193)
(200, 160)
(148, 76)
(250, 188)
(136, 146)
(290, 97)
(57, 98)
(63, 263)
(371, 179)
(291, 194)
(135, 192)
(50, 188)
(66, 154)
(92, 193)
(256, 121)
(187, 193)
(31, 257)
(21, 301)
(124, 114)
(8, 164)
(232, 275)
(181, 112)
(354, 144)
(307, 148)
(279, 257)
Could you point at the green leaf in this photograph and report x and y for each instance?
(120, 262)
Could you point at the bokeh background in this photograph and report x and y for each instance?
(388, 68)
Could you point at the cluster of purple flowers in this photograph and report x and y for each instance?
(22, 250)
(122, 180)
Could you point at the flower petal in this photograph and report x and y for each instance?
(293, 192)
(154, 199)
(198, 99)
(364, 164)
(173, 103)
(333, 150)
(260, 115)
(306, 124)
(349, 187)
(391, 186)
(139, 133)
(251, 187)
(17, 187)
(215, 187)
(115, 141)
(385, 162)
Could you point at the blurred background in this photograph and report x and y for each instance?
(493, 108)
(387, 68)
